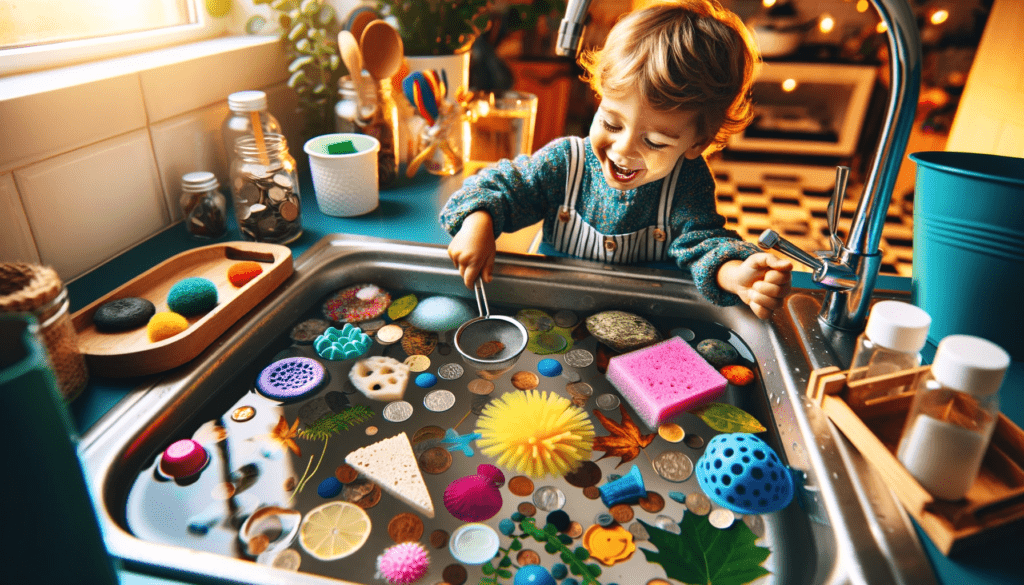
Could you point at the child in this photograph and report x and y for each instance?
(674, 81)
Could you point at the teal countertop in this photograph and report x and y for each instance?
(408, 211)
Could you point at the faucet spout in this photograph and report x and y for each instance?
(570, 31)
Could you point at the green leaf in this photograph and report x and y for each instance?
(504, 573)
(726, 418)
(705, 555)
(487, 568)
(550, 547)
(505, 562)
(516, 545)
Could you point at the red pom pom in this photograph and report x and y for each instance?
(242, 272)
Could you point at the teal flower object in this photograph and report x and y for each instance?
(348, 342)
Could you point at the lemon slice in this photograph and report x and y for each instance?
(334, 530)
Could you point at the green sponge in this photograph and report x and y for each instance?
(192, 296)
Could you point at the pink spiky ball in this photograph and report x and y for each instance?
(403, 563)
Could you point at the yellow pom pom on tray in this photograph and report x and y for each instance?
(535, 433)
(165, 324)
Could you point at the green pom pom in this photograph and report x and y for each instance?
(192, 296)
(581, 553)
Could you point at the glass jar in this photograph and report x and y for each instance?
(892, 341)
(203, 205)
(246, 107)
(953, 414)
(445, 139)
(265, 190)
(374, 113)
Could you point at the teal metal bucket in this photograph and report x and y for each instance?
(969, 246)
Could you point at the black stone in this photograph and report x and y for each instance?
(123, 314)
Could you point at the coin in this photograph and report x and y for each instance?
(581, 389)
(389, 334)
(575, 530)
(397, 411)
(551, 341)
(520, 485)
(371, 327)
(622, 513)
(243, 413)
(417, 363)
(450, 371)
(426, 433)
(439, 400)
(481, 387)
(454, 574)
(572, 376)
(307, 331)
(527, 509)
(638, 531)
(587, 474)
(698, 503)
(489, 349)
(694, 441)
(674, 466)
(527, 557)
(258, 544)
(721, 518)
(405, 527)
(652, 502)
(439, 538)
(289, 210)
(549, 498)
(579, 358)
(671, 432)
(287, 559)
(667, 523)
(371, 430)
(566, 318)
(525, 380)
(591, 492)
(345, 473)
(371, 499)
(435, 460)
(607, 402)
(657, 581)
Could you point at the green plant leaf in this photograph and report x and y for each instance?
(487, 568)
(505, 573)
(726, 418)
(704, 555)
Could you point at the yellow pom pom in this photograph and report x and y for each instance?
(165, 324)
(535, 433)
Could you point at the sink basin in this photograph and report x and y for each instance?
(842, 527)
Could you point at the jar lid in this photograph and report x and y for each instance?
(898, 326)
(27, 287)
(970, 364)
(199, 182)
(248, 101)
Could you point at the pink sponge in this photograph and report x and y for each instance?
(663, 380)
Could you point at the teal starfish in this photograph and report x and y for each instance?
(453, 441)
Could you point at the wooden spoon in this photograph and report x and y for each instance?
(353, 59)
(382, 48)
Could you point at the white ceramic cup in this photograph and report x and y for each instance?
(345, 184)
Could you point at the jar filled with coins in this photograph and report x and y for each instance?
(204, 207)
(265, 190)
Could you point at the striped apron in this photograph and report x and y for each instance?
(576, 237)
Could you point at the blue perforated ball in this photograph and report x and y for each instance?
(741, 472)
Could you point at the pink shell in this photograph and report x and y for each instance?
(473, 498)
(403, 563)
(492, 473)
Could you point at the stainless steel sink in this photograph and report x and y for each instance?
(844, 526)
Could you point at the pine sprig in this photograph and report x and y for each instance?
(329, 426)
(554, 544)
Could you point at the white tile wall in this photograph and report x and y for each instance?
(16, 240)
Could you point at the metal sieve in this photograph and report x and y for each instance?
(484, 331)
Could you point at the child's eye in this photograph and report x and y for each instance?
(654, 145)
(609, 127)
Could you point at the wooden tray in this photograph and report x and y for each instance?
(131, 353)
(995, 500)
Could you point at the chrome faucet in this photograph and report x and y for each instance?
(847, 274)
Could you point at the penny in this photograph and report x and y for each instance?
(288, 560)
(439, 400)
(371, 430)
(527, 509)
(698, 503)
(520, 485)
(371, 499)
(489, 349)
(580, 389)
(671, 432)
(306, 332)
(405, 527)
(389, 334)
(579, 358)
(658, 581)
(397, 411)
(622, 513)
(587, 474)
(243, 413)
(694, 441)
(481, 386)
(426, 433)
(345, 473)
(258, 544)
(721, 518)
(439, 538)
(674, 466)
(450, 371)
(525, 380)
(435, 460)
(638, 531)
(591, 492)
(417, 363)
(652, 502)
(549, 498)
(607, 402)
(288, 210)
(454, 574)
(575, 530)
(566, 318)
(527, 557)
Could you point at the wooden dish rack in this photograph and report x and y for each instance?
(993, 504)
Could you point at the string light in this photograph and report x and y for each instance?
(939, 16)
(862, 5)
(881, 28)
(826, 23)
(789, 85)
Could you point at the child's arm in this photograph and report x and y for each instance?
(472, 249)
(761, 281)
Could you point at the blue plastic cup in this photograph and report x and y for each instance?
(969, 246)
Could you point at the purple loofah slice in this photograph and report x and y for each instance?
(291, 378)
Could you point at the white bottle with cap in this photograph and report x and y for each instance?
(892, 341)
(953, 414)
(246, 106)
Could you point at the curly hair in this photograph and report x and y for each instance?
(691, 55)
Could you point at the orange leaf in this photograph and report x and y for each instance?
(625, 440)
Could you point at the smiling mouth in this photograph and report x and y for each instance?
(621, 174)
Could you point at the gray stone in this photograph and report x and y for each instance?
(717, 352)
(622, 331)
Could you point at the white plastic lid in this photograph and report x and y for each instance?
(898, 326)
(248, 101)
(199, 182)
(970, 364)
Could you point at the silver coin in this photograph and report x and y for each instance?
(698, 503)
(579, 358)
(686, 334)
(439, 400)
(397, 411)
(667, 523)
(548, 498)
(581, 389)
(450, 371)
(566, 318)
(571, 375)
(608, 402)
(721, 518)
(639, 532)
(694, 441)
(674, 466)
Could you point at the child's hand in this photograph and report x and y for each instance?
(472, 250)
(761, 281)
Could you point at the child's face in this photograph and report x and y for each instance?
(637, 144)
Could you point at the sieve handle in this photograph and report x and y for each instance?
(478, 290)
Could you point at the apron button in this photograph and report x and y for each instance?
(609, 244)
(659, 235)
(563, 215)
